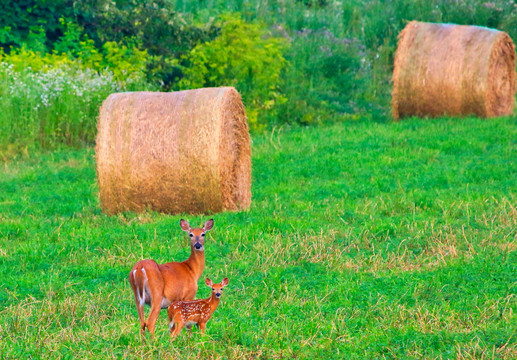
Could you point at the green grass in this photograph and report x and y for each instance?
(364, 240)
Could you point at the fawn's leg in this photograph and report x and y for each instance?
(178, 326)
(202, 327)
(189, 329)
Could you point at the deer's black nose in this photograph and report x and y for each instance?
(197, 246)
(218, 295)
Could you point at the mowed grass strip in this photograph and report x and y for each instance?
(364, 240)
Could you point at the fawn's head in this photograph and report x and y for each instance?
(217, 289)
(197, 235)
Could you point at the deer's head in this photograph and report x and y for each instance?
(197, 235)
(217, 289)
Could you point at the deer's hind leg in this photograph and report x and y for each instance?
(137, 282)
(155, 286)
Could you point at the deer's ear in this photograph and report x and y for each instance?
(224, 282)
(184, 225)
(208, 225)
(208, 282)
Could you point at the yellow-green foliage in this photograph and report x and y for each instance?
(23, 59)
(125, 63)
(244, 55)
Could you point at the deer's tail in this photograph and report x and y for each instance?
(140, 281)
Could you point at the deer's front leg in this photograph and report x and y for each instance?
(202, 327)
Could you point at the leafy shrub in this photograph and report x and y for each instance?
(245, 56)
(78, 27)
(125, 62)
(152, 24)
(34, 24)
(23, 59)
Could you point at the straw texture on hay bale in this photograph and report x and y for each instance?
(186, 151)
(446, 69)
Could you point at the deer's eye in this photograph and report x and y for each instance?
(203, 234)
(213, 289)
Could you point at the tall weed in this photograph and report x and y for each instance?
(52, 105)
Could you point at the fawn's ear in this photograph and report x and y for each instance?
(209, 282)
(184, 225)
(224, 282)
(208, 225)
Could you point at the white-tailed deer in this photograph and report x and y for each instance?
(161, 285)
(187, 313)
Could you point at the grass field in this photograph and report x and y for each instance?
(364, 240)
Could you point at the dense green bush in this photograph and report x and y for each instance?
(244, 55)
(152, 25)
(33, 23)
(146, 25)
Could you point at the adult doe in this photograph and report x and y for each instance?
(161, 285)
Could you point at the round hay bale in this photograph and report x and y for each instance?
(180, 152)
(446, 69)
